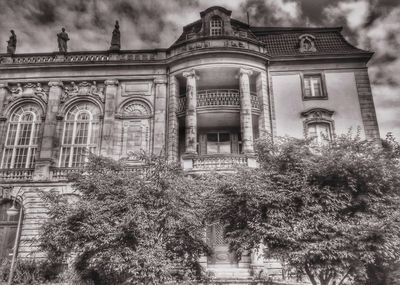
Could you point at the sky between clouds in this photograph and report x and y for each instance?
(369, 24)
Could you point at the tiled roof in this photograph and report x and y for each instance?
(285, 41)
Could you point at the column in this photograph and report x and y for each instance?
(111, 89)
(173, 124)
(160, 115)
(191, 114)
(246, 120)
(3, 95)
(3, 120)
(264, 121)
(49, 137)
(257, 259)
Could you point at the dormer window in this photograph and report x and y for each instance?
(216, 26)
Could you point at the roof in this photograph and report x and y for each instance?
(284, 41)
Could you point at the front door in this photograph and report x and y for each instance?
(8, 230)
(221, 255)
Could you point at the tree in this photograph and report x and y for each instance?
(329, 211)
(129, 227)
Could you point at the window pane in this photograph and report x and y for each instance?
(78, 156)
(20, 157)
(212, 147)
(225, 147)
(12, 134)
(212, 137)
(224, 137)
(65, 154)
(81, 133)
(7, 158)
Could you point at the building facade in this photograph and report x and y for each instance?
(202, 102)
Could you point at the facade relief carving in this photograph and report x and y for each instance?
(18, 91)
(307, 43)
(83, 89)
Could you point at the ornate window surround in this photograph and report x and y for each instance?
(128, 111)
(324, 91)
(318, 115)
(17, 126)
(307, 43)
(86, 114)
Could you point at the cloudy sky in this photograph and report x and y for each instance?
(369, 24)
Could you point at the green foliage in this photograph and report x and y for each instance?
(30, 271)
(129, 226)
(327, 210)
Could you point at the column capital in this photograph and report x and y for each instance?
(190, 74)
(245, 71)
(160, 80)
(3, 85)
(56, 83)
(111, 82)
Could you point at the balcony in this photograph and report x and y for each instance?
(16, 174)
(217, 98)
(218, 162)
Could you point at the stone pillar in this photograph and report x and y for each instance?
(110, 95)
(191, 113)
(173, 124)
(264, 121)
(3, 96)
(49, 138)
(3, 120)
(246, 120)
(160, 115)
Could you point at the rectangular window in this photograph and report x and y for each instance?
(319, 132)
(313, 87)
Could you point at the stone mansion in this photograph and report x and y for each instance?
(202, 102)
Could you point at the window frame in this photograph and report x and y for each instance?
(89, 145)
(216, 28)
(34, 133)
(324, 91)
(319, 139)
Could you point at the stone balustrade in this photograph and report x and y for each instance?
(81, 57)
(16, 174)
(61, 173)
(218, 97)
(228, 161)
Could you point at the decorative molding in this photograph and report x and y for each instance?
(111, 82)
(83, 88)
(28, 90)
(317, 113)
(160, 81)
(56, 84)
(245, 71)
(307, 43)
(190, 74)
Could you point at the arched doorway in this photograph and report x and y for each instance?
(8, 229)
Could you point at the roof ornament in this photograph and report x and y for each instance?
(62, 39)
(12, 43)
(307, 43)
(116, 38)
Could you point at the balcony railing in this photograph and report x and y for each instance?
(218, 162)
(218, 97)
(16, 174)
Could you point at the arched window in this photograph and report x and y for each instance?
(216, 26)
(80, 134)
(318, 125)
(8, 229)
(22, 137)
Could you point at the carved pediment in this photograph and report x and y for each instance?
(307, 43)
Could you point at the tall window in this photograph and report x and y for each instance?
(80, 135)
(22, 138)
(216, 26)
(313, 87)
(320, 132)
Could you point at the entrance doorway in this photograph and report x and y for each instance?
(221, 256)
